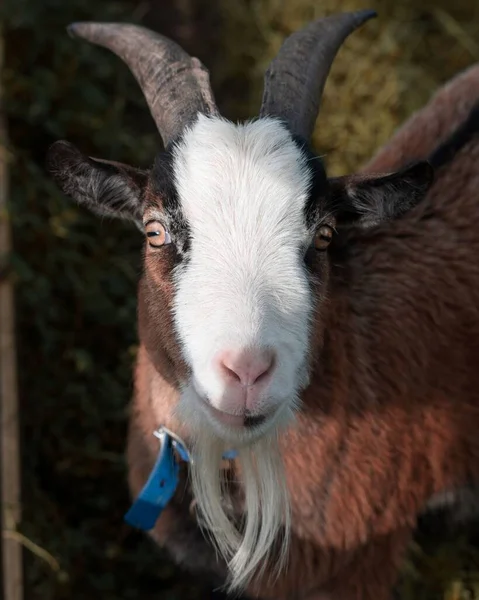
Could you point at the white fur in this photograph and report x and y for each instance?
(266, 507)
(242, 190)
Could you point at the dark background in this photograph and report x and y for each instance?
(76, 275)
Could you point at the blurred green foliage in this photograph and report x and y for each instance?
(76, 303)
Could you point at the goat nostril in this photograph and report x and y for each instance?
(265, 374)
(231, 373)
(248, 367)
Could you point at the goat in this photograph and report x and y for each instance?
(326, 329)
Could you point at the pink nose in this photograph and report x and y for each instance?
(248, 368)
(245, 375)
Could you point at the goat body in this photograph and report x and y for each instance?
(391, 416)
(325, 328)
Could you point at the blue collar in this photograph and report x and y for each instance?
(162, 482)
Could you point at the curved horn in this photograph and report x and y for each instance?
(295, 79)
(176, 86)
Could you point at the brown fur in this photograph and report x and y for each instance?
(391, 416)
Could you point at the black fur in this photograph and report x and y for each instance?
(113, 189)
(107, 188)
(318, 194)
(370, 200)
(163, 186)
(461, 136)
(363, 201)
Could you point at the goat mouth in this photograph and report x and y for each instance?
(254, 420)
(244, 421)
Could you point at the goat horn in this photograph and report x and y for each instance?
(176, 86)
(295, 79)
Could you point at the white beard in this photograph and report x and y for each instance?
(266, 510)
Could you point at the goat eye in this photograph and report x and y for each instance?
(157, 234)
(323, 237)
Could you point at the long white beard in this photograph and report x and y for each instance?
(266, 512)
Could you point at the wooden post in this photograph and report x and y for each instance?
(9, 427)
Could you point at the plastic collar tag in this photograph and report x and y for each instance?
(162, 482)
(158, 490)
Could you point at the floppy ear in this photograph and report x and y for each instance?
(368, 200)
(106, 187)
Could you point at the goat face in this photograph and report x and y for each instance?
(238, 220)
(231, 213)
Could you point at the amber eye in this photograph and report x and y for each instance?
(157, 234)
(323, 237)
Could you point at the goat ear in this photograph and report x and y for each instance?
(370, 200)
(107, 188)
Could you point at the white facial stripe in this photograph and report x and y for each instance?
(251, 177)
(242, 190)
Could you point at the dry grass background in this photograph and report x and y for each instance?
(385, 70)
(76, 286)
